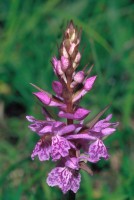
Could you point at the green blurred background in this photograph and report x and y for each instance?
(30, 32)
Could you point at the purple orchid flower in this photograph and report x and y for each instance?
(53, 140)
(66, 177)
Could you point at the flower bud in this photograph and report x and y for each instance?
(64, 63)
(89, 83)
(77, 58)
(54, 62)
(72, 48)
(79, 77)
(57, 87)
(59, 68)
(64, 52)
(71, 32)
(66, 44)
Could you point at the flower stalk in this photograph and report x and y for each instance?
(70, 142)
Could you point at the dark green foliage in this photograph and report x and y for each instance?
(30, 32)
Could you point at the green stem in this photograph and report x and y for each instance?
(71, 195)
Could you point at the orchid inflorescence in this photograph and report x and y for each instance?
(71, 143)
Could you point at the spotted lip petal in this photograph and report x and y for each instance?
(97, 150)
(65, 179)
(42, 150)
(60, 147)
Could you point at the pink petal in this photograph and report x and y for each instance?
(81, 136)
(109, 117)
(42, 150)
(41, 127)
(57, 104)
(104, 127)
(46, 98)
(59, 68)
(79, 77)
(54, 61)
(108, 131)
(67, 129)
(65, 63)
(37, 126)
(77, 58)
(78, 95)
(89, 83)
(46, 129)
(57, 87)
(79, 114)
(65, 115)
(30, 118)
(99, 123)
(43, 97)
(57, 126)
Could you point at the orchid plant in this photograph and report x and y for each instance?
(69, 143)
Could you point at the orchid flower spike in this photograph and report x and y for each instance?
(73, 142)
